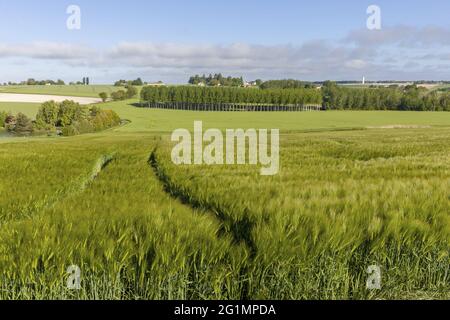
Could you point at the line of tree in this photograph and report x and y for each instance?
(331, 96)
(230, 95)
(124, 83)
(68, 118)
(120, 95)
(216, 80)
(84, 82)
(33, 82)
(379, 98)
(286, 84)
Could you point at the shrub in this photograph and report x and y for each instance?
(103, 96)
(95, 110)
(3, 116)
(131, 92)
(10, 122)
(47, 115)
(119, 95)
(137, 82)
(99, 120)
(70, 130)
(46, 130)
(70, 112)
(105, 119)
(24, 125)
(69, 116)
(84, 126)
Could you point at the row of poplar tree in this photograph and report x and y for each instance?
(411, 97)
(192, 94)
(331, 96)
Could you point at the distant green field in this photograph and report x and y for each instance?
(30, 109)
(157, 120)
(67, 90)
(168, 120)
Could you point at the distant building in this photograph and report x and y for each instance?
(249, 84)
(157, 84)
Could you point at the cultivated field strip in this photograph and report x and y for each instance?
(129, 238)
(25, 190)
(342, 202)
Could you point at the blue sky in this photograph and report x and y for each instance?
(170, 40)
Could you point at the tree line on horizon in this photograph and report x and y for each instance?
(216, 80)
(34, 82)
(330, 96)
(219, 80)
(411, 98)
(287, 84)
(125, 83)
(231, 95)
(59, 82)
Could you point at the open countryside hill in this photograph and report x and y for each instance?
(352, 192)
(61, 90)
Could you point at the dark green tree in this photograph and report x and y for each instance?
(24, 125)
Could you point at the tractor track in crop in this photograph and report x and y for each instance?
(240, 231)
(78, 186)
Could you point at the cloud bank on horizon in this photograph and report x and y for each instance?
(400, 52)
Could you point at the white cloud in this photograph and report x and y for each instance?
(356, 64)
(382, 54)
(46, 50)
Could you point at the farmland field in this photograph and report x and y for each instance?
(62, 90)
(30, 109)
(351, 192)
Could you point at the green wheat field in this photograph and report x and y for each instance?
(355, 189)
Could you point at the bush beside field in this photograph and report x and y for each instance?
(68, 117)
